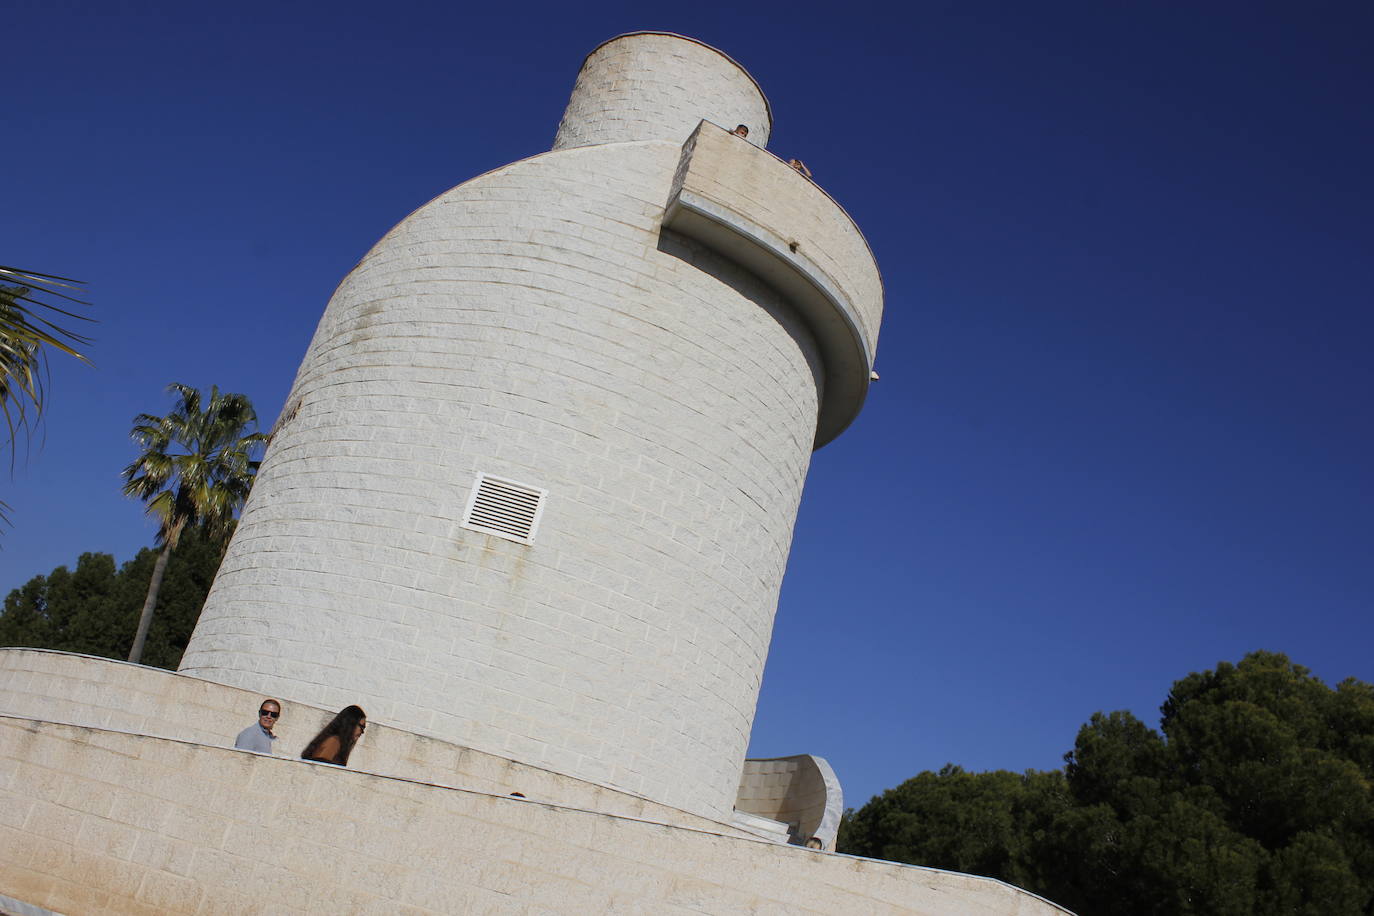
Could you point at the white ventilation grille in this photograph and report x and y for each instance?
(504, 508)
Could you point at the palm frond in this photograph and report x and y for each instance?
(196, 465)
(27, 334)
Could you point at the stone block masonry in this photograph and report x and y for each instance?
(669, 415)
(539, 324)
(94, 821)
(649, 329)
(659, 86)
(116, 696)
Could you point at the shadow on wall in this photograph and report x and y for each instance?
(752, 288)
(801, 792)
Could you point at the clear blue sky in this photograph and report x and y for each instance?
(1123, 429)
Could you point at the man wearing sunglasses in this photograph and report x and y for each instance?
(259, 737)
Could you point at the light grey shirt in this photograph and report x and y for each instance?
(255, 738)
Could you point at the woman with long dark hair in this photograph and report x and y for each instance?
(335, 741)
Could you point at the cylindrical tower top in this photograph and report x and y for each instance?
(659, 86)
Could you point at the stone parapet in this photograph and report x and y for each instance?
(753, 209)
(99, 821)
(103, 693)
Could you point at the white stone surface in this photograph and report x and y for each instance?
(752, 208)
(102, 693)
(95, 821)
(658, 86)
(527, 324)
(766, 192)
(801, 791)
(536, 323)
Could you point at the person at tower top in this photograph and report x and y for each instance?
(258, 737)
(335, 741)
(741, 130)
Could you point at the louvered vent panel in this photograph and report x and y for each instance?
(505, 508)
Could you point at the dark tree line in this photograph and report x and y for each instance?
(95, 607)
(1254, 797)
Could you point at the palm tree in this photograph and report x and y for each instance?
(196, 469)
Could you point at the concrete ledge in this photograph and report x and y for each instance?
(104, 693)
(750, 207)
(100, 821)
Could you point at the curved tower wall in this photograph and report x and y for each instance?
(657, 86)
(537, 323)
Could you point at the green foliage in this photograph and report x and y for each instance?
(93, 608)
(1253, 798)
(26, 336)
(971, 822)
(27, 333)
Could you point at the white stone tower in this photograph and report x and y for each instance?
(638, 338)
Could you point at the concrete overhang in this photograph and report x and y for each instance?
(751, 208)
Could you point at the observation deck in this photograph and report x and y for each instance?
(750, 207)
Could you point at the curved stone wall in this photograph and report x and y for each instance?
(103, 693)
(534, 323)
(749, 206)
(95, 821)
(659, 86)
(762, 189)
(801, 791)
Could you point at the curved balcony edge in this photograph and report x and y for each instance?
(801, 792)
(746, 205)
(825, 309)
